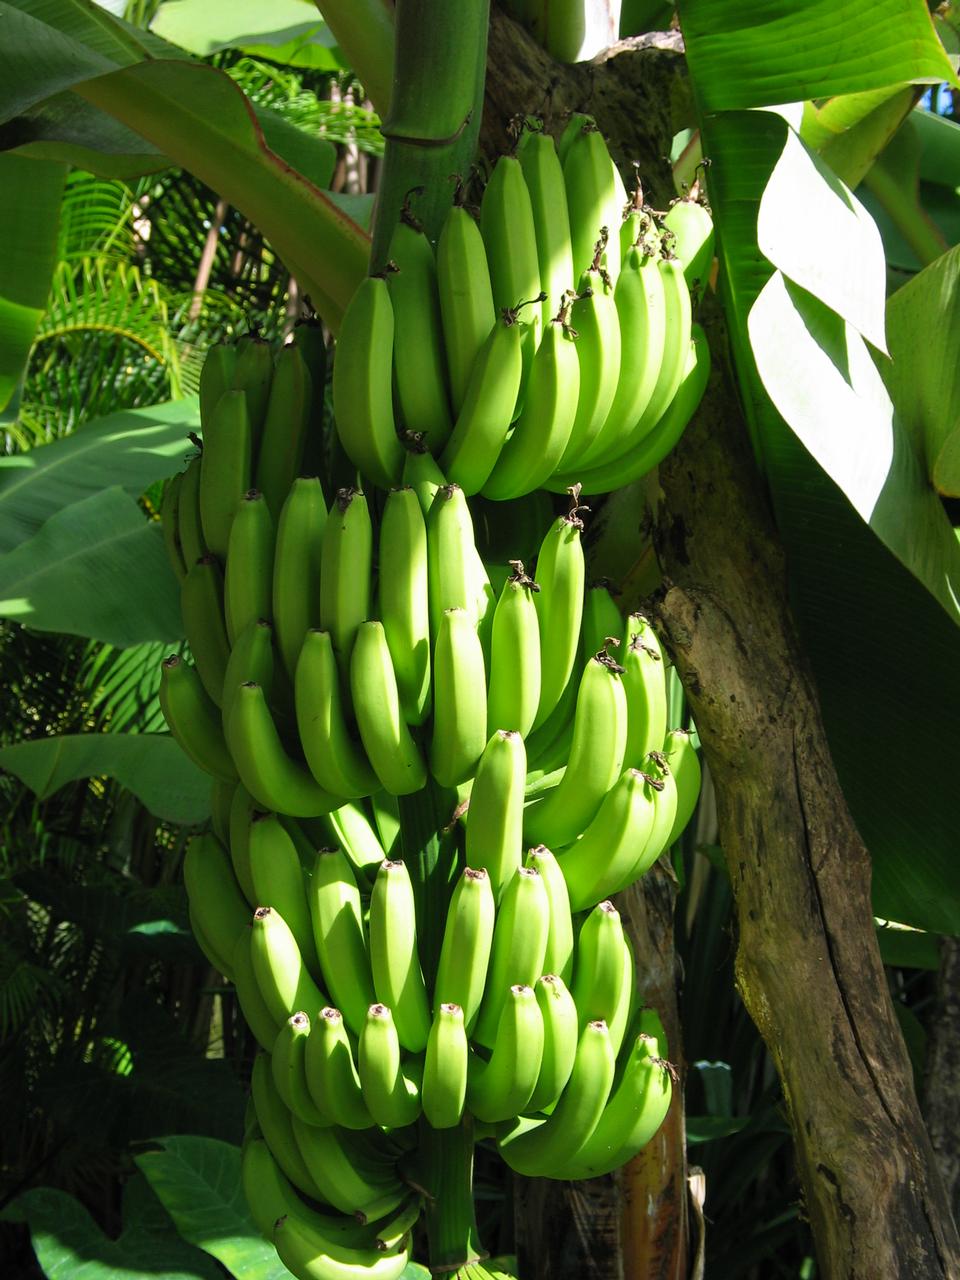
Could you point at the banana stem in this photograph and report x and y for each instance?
(435, 112)
(445, 1171)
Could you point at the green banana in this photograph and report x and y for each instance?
(561, 1031)
(283, 978)
(337, 762)
(534, 448)
(251, 658)
(571, 131)
(391, 750)
(500, 1087)
(214, 895)
(289, 1075)
(538, 1148)
(594, 199)
(665, 803)
(273, 778)
(253, 374)
(201, 604)
(252, 1005)
(296, 567)
(543, 174)
(363, 384)
(519, 944)
(346, 1181)
(599, 968)
(405, 599)
(602, 623)
(691, 226)
(626, 1006)
(419, 364)
(278, 881)
(351, 829)
(487, 410)
(225, 467)
(684, 764)
(276, 1122)
(495, 816)
(513, 695)
(465, 951)
(345, 571)
(286, 424)
(421, 473)
(602, 861)
(510, 238)
(310, 1254)
(331, 1071)
(646, 691)
(676, 296)
(444, 1087)
(337, 916)
(595, 762)
(189, 520)
(561, 575)
(558, 958)
(392, 1095)
(466, 297)
(216, 376)
(168, 525)
(397, 978)
(248, 577)
(458, 579)
(459, 700)
(242, 809)
(221, 798)
(193, 718)
(597, 325)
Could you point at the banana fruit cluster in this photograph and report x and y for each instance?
(548, 345)
(347, 653)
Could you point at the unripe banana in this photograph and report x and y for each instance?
(391, 1094)
(594, 199)
(214, 895)
(543, 173)
(597, 325)
(252, 1004)
(251, 658)
(572, 130)
(465, 952)
(500, 1088)
(495, 816)
(560, 574)
(285, 428)
(419, 365)
(684, 764)
(595, 763)
(286, 1061)
(513, 695)
(276, 1122)
(346, 1181)
(405, 599)
(345, 571)
(351, 829)
(466, 297)
(391, 750)
(216, 377)
(337, 762)
(460, 700)
(626, 1009)
(363, 384)
(602, 623)
(692, 229)
(519, 945)
(665, 802)
(253, 374)
(421, 473)
(510, 237)
(337, 916)
(248, 578)
(599, 968)
(444, 1085)
(242, 809)
(397, 978)
(458, 579)
(558, 958)
(561, 1031)
(676, 296)
(201, 604)
(296, 568)
(225, 467)
(278, 881)
(602, 861)
(311, 1255)
(282, 976)
(221, 798)
(332, 1076)
(270, 1195)
(193, 718)
(189, 520)
(645, 687)
(168, 525)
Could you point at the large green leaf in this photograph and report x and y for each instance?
(289, 31)
(97, 568)
(769, 51)
(151, 765)
(198, 1182)
(132, 449)
(28, 233)
(70, 1246)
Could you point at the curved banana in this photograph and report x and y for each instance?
(405, 599)
(519, 944)
(337, 762)
(459, 700)
(444, 1087)
(458, 579)
(594, 198)
(189, 520)
(646, 690)
(346, 567)
(214, 895)
(602, 861)
(253, 374)
(627, 1003)
(510, 238)
(216, 376)
(466, 297)
(419, 364)
(487, 410)
(465, 951)
(201, 604)
(561, 1033)
(226, 467)
(665, 802)
(337, 916)
(346, 1181)
(391, 750)
(571, 131)
(296, 567)
(273, 778)
(363, 384)
(248, 576)
(221, 798)
(392, 1095)
(602, 623)
(310, 1254)
(242, 809)
(599, 969)
(513, 695)
(597, 325)
(252, 1004)
(282, 976)
(278, 881)
(352, 830)
(561, 576)
(276, 1124)
(194, 718)
(691, 226)
(684, 764)
(500, 1087)
(251, 658)
(397, 978)
(558, 958)
(168, 525)
(421, 473)
(289, 1075)
(495, 816)
(595, 763)
(331, 1071)
(543, 172)
(539, 1148)
(676, 296)
(535, 446)
(286, 425)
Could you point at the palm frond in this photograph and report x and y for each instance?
(96, 219)
(120, 687)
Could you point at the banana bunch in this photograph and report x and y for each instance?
(548, 345)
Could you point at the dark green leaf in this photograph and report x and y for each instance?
(909, 948)
(709, 1128)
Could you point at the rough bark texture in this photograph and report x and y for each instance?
(808, 967)
(942, 1085)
